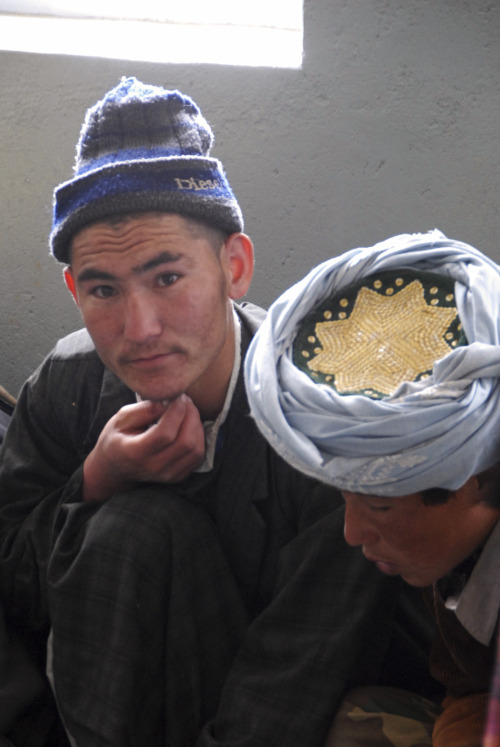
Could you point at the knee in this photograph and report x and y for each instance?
(141, 527)
(150, 516)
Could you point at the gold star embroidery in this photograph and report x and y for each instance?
(386, 340)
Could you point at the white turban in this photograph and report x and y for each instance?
(434, 432)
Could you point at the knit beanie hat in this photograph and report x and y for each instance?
(143, 148)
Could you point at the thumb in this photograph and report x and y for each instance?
(140, 416)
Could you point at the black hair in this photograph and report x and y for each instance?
(216, 237)
(435, 496)
(438, 496)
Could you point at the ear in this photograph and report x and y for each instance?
(238, 259)
(489, 484)
(478, 488)
(70, 283)
(469, 492)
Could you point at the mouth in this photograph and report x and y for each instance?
(390, 569)
(150, 360)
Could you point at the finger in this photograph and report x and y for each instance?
(180, 467)
(139, 416)
(191, 433)
(181, 470)
(164, 431)
(179, 457)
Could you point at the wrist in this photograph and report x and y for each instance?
(98, 485)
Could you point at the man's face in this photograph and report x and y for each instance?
(153, 294)
(421, 543)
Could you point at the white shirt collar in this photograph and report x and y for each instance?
(212, 427)
(479, 603)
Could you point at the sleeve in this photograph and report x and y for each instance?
(327, 629)
(39, 469)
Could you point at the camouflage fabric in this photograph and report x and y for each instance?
(383, 717)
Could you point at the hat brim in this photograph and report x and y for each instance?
(190, 186)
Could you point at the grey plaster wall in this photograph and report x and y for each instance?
(392, 125)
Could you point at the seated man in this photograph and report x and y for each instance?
(380, 374)
(197, 589)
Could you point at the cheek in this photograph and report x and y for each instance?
(203, 315)
(103, 326)
(400, 537)
(417, 546)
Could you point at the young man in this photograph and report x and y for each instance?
(406, 424)
(186, 574)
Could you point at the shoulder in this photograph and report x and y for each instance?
(75, 345)
(70, 397)
(72, 383)
(73, 365)
(251, 315)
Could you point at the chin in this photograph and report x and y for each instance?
(417, 581)
(153, 391)
(157, 395)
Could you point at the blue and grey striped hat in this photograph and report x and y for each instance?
(143, 148)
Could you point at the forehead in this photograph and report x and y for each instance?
(123, 239)
(366, 497)
(402, 519)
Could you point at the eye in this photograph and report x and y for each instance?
(167, 278)
(103, 291)
(380, 507)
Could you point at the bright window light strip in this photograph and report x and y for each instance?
(279, 13)
(229, 42)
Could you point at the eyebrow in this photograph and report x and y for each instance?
(161, 259)
(92, 273)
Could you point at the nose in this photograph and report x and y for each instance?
(142, 321)
(358, 529)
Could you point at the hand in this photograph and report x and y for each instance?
(145, 442)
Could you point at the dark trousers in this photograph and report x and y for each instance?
(146, 619)
(28, 714)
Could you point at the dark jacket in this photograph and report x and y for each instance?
(315, 618)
